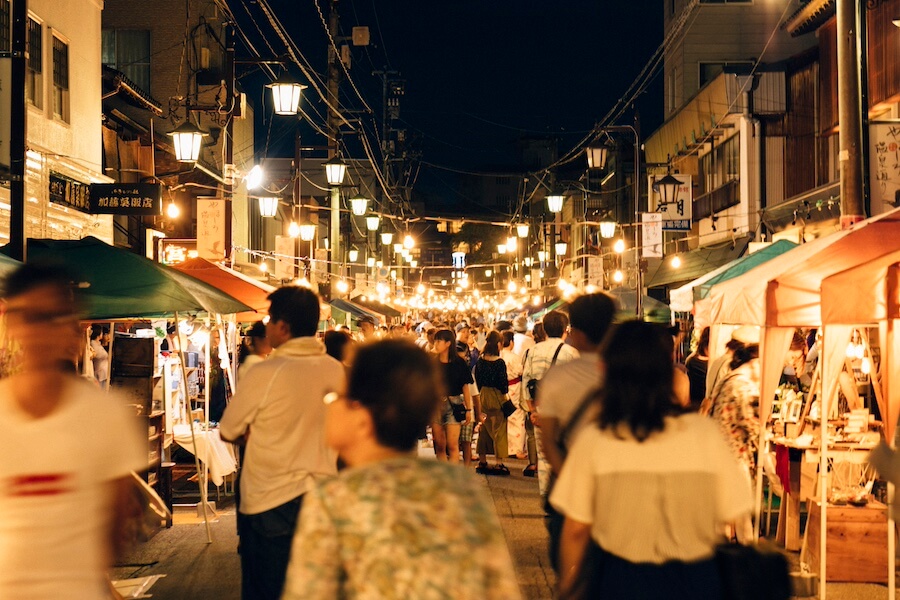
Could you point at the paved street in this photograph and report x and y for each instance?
(195, 569)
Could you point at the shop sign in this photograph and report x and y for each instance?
(595, 271)
(66, 191)
(126, 199)
(174, 251)
(884, 163)
(6, 102)
(284, 257)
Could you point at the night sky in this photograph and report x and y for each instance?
(480, 73)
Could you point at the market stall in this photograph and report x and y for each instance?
(251, 292)
(118, 286)
(783, 294)
(345, 312)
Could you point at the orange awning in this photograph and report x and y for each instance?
(251, 292)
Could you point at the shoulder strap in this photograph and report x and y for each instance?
(556, 354)
(576, 416)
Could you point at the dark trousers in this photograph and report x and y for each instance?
(530, 443)
(553, 519)
(265, 549)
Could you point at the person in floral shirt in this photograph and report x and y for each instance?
(392, 525)
(736, 405)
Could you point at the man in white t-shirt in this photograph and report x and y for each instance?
(537, 361)
(521, 340)
(567, 391)
(279, 413)
(69, 448)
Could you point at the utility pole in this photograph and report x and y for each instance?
(333, 125)
(228, 142)
(18, 129)
(849, 114)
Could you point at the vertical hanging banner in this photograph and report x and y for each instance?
(285, 256)
(884, 164)
(652, 235)
(595, 271)
(211, 228)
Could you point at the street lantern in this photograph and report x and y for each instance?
(668, 189)
(353, 255)
(501, 248)
(607, 229)
(511, 244)
(254, 177)
(522, 230)
(307, 232)
(398, 248)
(372, 222)
(555, 201)
(561, 248)
(386, 238)
(335, 169)
(359, 204)
(268, 206)
(187, 139)
(286, 95)
(596, 156)
(542, 255)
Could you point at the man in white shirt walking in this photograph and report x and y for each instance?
(537, 362)
(567, 392)
(279, 413)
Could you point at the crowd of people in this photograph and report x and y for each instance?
(639, 478)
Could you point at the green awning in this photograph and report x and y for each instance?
(742, 265)
(379, 307)
(696, 263)
(121, 284)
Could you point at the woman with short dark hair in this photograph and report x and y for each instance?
(649, 488)
(392, 525)
(447, 421)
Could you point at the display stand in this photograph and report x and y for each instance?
(133, 375)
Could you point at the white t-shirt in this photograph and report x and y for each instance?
(56, 493)
(564, 388)
(659, 500)
(280, 402)
(522, 342)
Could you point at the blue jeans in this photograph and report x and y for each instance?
(265, 549)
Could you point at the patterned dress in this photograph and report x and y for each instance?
(400, 528)
(736, 409)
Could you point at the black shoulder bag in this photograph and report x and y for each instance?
(532, 384)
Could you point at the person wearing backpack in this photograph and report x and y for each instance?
(537, 362)
(568, 390)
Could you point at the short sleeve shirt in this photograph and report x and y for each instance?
(658, 500)
(456, 375)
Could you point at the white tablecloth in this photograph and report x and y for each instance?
(211, 450)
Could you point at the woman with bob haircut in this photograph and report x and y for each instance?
(652, 488)
(392, 525)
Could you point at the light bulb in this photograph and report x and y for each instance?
(866, 366)
(619, 246)
(408, 242)
(172, 210)
(342, 286)
(294, 229)
(676, 261)
(618, 276)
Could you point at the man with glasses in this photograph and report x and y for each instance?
(279, 414)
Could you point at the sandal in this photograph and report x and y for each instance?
(482, 469)
(500, 470)
(530, 471)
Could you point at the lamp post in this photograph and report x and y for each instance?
(335, 169)
(639, 309)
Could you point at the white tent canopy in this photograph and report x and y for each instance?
(786, 292)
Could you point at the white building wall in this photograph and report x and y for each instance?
(72, 148)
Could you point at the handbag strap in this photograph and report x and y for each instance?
(556, 354)
(576, 416)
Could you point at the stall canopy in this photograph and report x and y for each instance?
(344, 312)
(251, 292)
(380, 307)
(121, 284)
(654, 310)
(697, 262)
(682, 299)
(555, 304)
